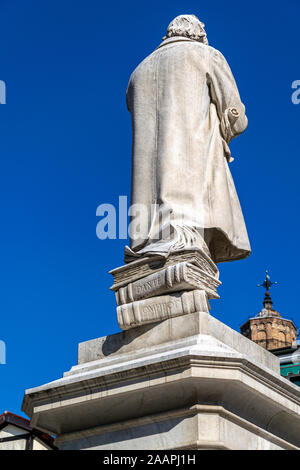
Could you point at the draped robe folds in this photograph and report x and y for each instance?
(180, 99)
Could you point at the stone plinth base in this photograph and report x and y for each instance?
(189, 382)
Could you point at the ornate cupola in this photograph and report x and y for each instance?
(268, 328)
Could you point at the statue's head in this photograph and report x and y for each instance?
(188, 26)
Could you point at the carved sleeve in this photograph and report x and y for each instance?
(225, 95)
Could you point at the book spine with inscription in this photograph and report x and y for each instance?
(161, 308)
(181, 276)
(145, 266)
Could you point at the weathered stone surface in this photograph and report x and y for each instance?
(141, 268)
(160, 389)
(182, 188)
(161, 308)
(185, 109)
(268, 328)
(270, 332)
(179, 277)
(187, 278)
(198, 427)
(146, 338)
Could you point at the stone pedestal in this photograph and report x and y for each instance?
(189, 382)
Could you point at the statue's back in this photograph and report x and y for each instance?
(178, 97)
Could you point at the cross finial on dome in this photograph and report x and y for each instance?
(267, 284)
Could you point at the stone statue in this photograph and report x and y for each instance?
(185, 109)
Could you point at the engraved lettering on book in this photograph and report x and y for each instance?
(182, 276)
(146, 266)
(161, 308)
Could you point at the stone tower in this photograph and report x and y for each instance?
(268, 328)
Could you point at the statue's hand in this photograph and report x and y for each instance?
(229, 118)
(233, 115)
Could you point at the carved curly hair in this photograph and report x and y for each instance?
(188, 26)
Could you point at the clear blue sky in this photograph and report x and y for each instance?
(65, 146)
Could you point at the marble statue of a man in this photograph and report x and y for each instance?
(185, 109)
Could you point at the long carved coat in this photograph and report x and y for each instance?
(180, 98)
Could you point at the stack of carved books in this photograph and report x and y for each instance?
(153, 289)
